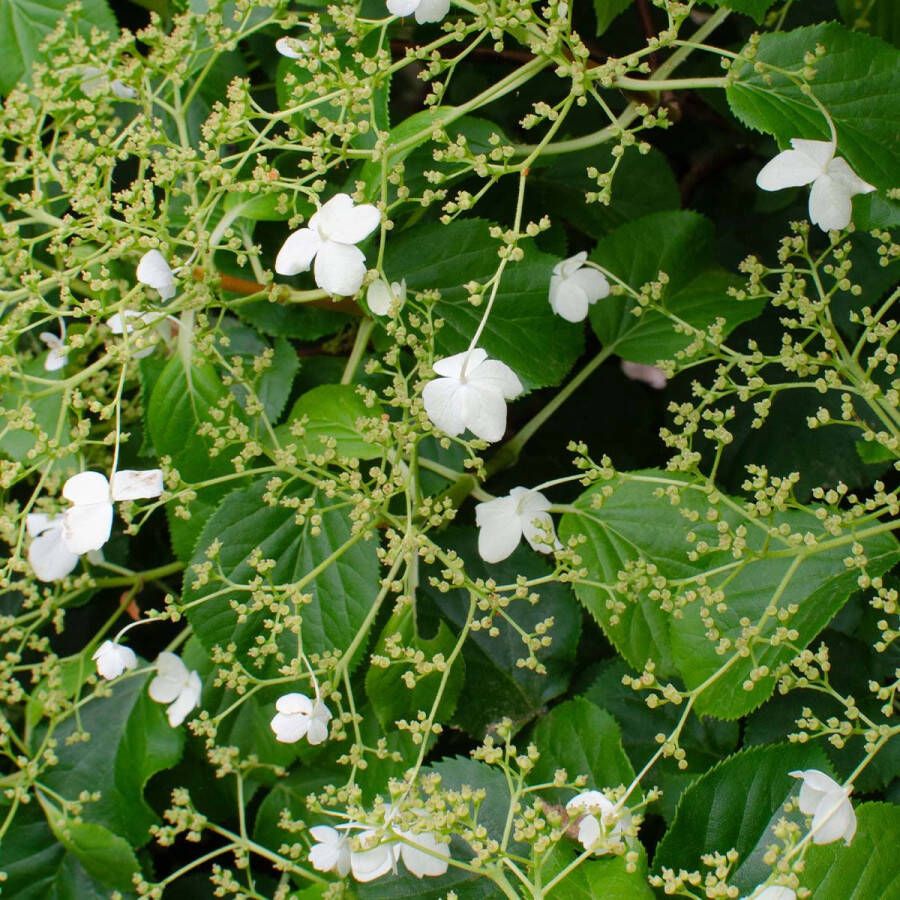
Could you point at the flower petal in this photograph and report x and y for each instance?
(86, 487)
(829, 204)
(833, 819)
(484, 412)
(340, 268)
(292, 48)
(297, 252)
(818, 152)
(500, 528)
(37, 523)
(418, 861)
(789, 169)
(130, 484)
(497, 376)
(647, 374)
(289, 729)
(592, 282)
(184, 702)
(379, 297)
(451, 366)
(442, 398)
(318, 731)
(569, 301)
(49, 556)
(87, 526)
(402, 7)
(367, 865)
(840, 170)
(432, 11)
(342, 221)
(154, 271)
(294, 704)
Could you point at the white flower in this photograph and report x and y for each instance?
(48, 554)
(827, 802)
(834, 183)
(656, 378)
(122, 90)
(176, 685)
(113, 659)
(57, 357)
(574, 287)
(300, 717)
(425, 10)
(88, 522)
(599, 818)
(503, 521)
(331, 240)
(331, 852)
(420, 862)
(381, 298)
(773, 892)
(155, 272)
(374, 859)
(292, 48)
(95, 81)
(474, 399)
(165, 326)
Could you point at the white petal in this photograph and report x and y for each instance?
(590, 801)
(495, 375)
(379, 297)
(432, 10)
(122, 90)
(420, 863)
(500, 528)
(815, 786)
(185, 702)
(130, 484)
(341, 221)
(536, 521)
(87, 487)
(113, 659)
(154, 271)
(318, 731)
(297, 252)
(569, 266)
(289, 729)
(569, 301)
(789, 169)
(829, 203)
(340, 268)
(49, 556)
(402, 7)
(292, 48)
(93, 80)
(171, 679)
(483, 411)
(451, 366)
(592, 282)
(834, 819)
(818, 152)
(589, 832)
(37, 523)
(775, 892)
(56, 359)
(647, 374)
(294, 704)
(442, 398)
(367, 865)
(840, 170)
(87, 526)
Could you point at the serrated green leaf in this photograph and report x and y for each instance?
(606, 11)
(735, 806)
(601, 879)
(868, 867)
(756, 9)
(522, 324)
(341, 593)
(678, 243)
(857, 81)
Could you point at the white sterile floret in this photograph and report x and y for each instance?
(656, 378)
(175, 685)
(300, 717)
(122, 90)
(57, 356)
(129, 320)
(471, 393)
(502, 523)
(574, 287)
(418, 860)
(330, 240)
(773, 892)
(113, 659)
(95, 81)
(48, 554)
(373, 859)
(834, 183)
(598, 818)
(821, 797)
(88, 522)
(331, 852)
(425, 10)
(155, 272)
(292, 48)
(381, 296)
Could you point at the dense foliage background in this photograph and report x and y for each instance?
(707, 604)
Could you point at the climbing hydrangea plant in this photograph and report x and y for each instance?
(449, 449)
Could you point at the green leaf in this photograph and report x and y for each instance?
(521, 326)
(583, 739)
(601, 879)
(606, 11)
(387, 688)
(25, 23)
(736, 805)
(680, 244)
(857, 81)
(878, 17)
(756, 9)
(331, 412)
(339, 594)
(868, 867)
(104, 855)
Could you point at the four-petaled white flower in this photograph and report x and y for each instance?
(57, 355)
(773, 892)
(425, 10)
(331, 852)
(382, 297)
(598, 818)
(331, 239)
(656, 378)
(502, 523)
(380, 852)
(155, 272)
(829, 804)
(48, 554)
(113, 659)
(88, 522)
(292, 48)
(834, 183)
(471, 393)
(574, 287)
(176, 685)
(300, 717)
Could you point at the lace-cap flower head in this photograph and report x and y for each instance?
(155, 272)
(574, 287)
(175, 685)
(300, 717)
(113, 659)
(834, 183)
(330, 240)
(381, 296)
(48, 554)
(598, 818)
(502, 523)
(829, 804)
(331, 852)
(471, 393)
(424, 10)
